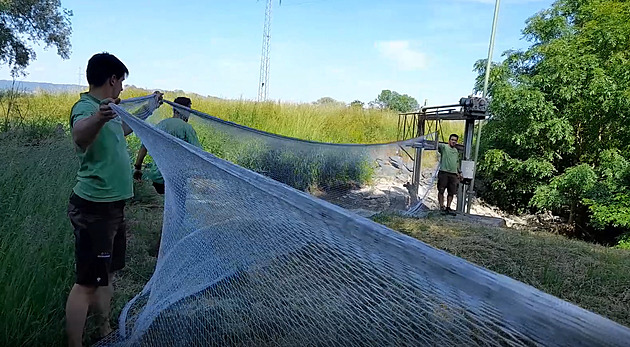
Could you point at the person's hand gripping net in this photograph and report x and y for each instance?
(105, 112)
(160, 97)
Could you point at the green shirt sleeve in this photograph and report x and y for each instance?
(80, 111)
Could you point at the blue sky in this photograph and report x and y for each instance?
(345, 49)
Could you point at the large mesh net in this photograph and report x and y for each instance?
(362, 178)
(247, 260)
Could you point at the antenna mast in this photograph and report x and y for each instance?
(263, 82)
(79, 77)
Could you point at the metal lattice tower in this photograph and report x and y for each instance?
(263, 82)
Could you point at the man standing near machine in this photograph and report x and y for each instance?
(449, 174)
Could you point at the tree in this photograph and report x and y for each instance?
(357, 104)
(567, 190)
(603, 192)
(609, 199)
(326, 100)
(22, 21)
(556, 107)
(396, 102)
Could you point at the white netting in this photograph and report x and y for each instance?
(142, 106)
(246, 260)
(357, 177)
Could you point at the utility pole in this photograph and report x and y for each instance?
(263, 82)
(485, 94)
(79, 76)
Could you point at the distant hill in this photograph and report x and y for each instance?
(25, 86)
(31, 87)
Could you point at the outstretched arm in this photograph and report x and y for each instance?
(85, 130)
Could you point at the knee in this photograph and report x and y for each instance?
(86, 290)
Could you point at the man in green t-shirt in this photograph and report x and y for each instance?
(96, 206)
(449, 174)
(177, 126)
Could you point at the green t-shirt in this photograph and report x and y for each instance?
(180, 129)
(449, 158)
(105, 170)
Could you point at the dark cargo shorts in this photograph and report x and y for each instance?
(447, 181)
(100, 239)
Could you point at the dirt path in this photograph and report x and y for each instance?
(387, 193)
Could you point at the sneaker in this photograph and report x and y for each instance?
(443, 210)
(450, 212)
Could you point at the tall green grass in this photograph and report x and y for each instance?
(323, 123)
(36, 249)
(335, 124)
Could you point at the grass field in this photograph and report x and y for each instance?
(36, 241)
(591, 276)
(336, 124)
(37, 245)
(299, 167)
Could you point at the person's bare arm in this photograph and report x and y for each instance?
(141, 154)
(137, 174)
(84, 131)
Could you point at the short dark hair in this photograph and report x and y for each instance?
(184, 101)
(453, 135)
(102, 66)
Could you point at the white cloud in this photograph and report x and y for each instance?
(402, 54)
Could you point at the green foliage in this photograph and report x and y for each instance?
(396, 102)
(32, 20)
(567, 190)
(511, 186)
(328, 101)
(357, 103)
(609, 199)
(562, 103)
(624, 242)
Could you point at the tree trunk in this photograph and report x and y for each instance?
(572, 213)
